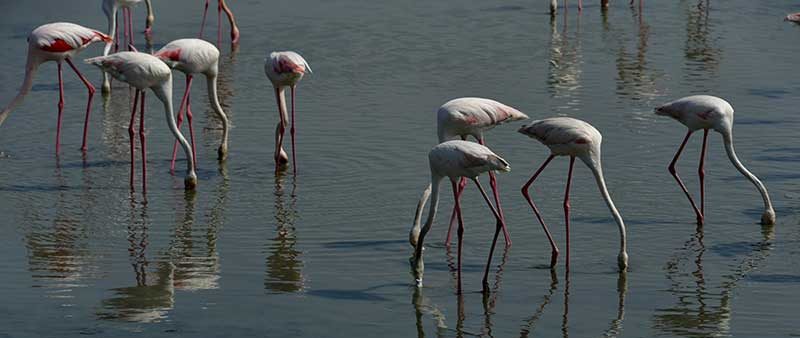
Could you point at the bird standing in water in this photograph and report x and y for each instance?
(57, 42)
(110, 8)
(285, 69)
(571, 137)
(195, 56)
(462, 117)
(221, 6)
(710, 112)
(454, 160)
(143, 71)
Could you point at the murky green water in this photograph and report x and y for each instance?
(326, 254)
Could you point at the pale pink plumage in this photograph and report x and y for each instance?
(710, 112)
(454, 160)
(195, 56)
(144, 71)
(57, 42)
(571, 137)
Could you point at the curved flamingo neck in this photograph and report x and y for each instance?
(727, 138)
(211, 83)
(164, 93)
(414, 235)
(593, 162)
(31, 66)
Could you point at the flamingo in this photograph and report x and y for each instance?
(794, 17)
(462, 117)
(57, 42)
(284, 69)
(195, 56)
(143, 71)
(571, 137)
(554, 6)
(454, 160)
(710, 112)
(110, 8)
(222, 6)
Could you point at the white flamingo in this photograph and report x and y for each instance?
(454, 160)
(110, 8)
(143, 71)
(195, 56)
(710, 112)
(57, 42)
(284, 69)
(571, 137)
(472, 116)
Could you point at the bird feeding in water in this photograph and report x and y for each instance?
(454, 160)
(195, 56)
(221, 6)
(571, 137)
(285, 69)
(710, 112)
(472, 116)
(110, 8)
(58, 42)
(143, 71)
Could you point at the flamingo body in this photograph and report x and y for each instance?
(57, 42)
(195, 56)
(710, 113)
(566, 136)
(794, 17)
(473, 116)
(454, 160)
(143, 71)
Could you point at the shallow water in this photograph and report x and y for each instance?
(326, 254)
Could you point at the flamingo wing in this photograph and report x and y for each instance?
(63, 36)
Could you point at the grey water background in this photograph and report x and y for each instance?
(326, 254)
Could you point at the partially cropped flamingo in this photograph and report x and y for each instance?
(794, 17)
(554, 5)
(195, 56)
(284, 69)
(462, 117)
(571, 137)
(57, 42)
(110, 8)
(222, 6)
(143, 71)
(454, 160)
(710, 112)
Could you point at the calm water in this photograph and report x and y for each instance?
(326, 254)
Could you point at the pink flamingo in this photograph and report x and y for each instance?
(110, 8)
(284, 69)
(143, 71)
(710, 112)
(462, 117)
(566, 136)
(221, 6)
(455, 159)
(195, 56)
(794, 17)
(57, 42)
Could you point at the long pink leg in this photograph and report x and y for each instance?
(219, 22)
(180, 119)
(701, 172)
(60, 109)
(677, 178)
(460, 231)
(580, 5)
(566, 203)
(144, 144)
(131, 133)
(554, 252)
(91, 90)
(496, 193)
(461, 184)
(116, 32)
(191, 129)
(500, 224)
(130, 30)
(203, 25)
(126, 33)
(292, 132)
